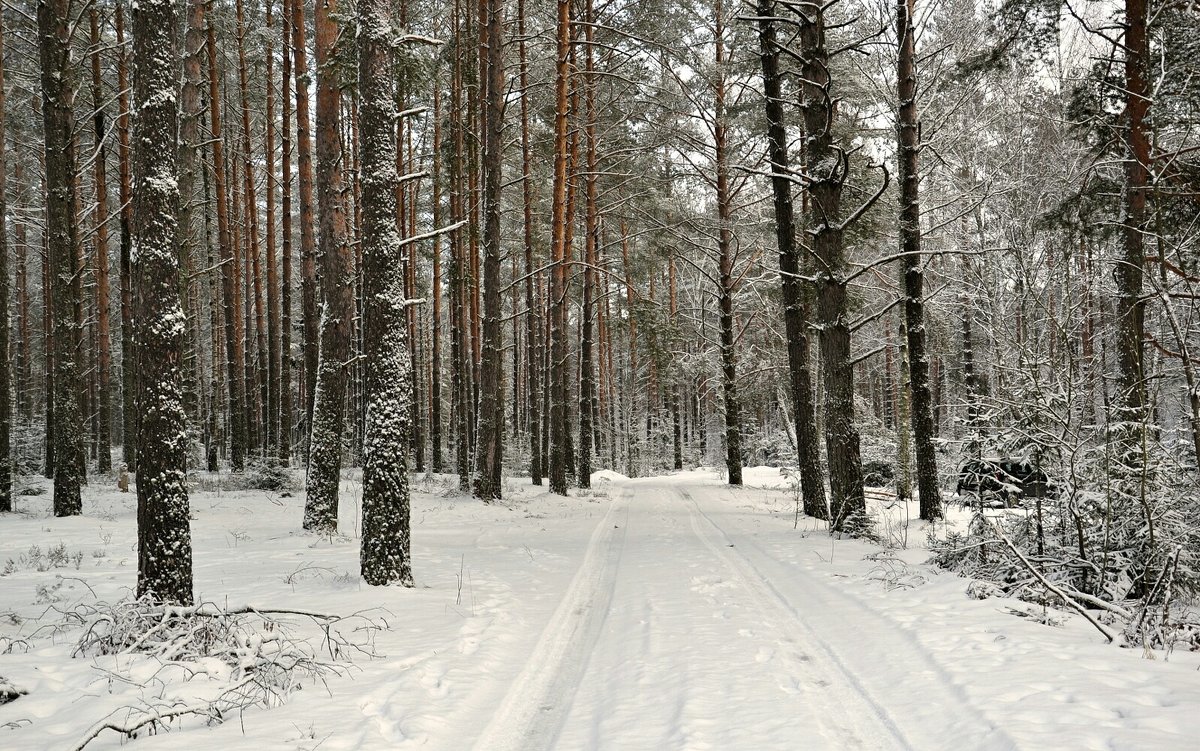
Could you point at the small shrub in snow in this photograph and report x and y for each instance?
(893, 572)
(252, 657)
(35, 559)
(268, 476)
(1168, 630)
(57, 556)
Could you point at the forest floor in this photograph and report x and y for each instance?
(654, 614)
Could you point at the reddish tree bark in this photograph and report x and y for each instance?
(308, 252)
(235, 353)
(337, 289)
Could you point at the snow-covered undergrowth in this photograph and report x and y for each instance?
(616, 619)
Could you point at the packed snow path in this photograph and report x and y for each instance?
(678, 632)
(666, 614)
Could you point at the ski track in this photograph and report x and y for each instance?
(531, 713)
(639, 652)
(936, 708)
(847, 694)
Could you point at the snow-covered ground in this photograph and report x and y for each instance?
(662, 613)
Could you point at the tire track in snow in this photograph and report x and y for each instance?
(943, 702)
(533, 710)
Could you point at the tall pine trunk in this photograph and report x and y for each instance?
(559, 236)
(337, 288)
(587, 375)
(461, 375)
(733, 432)
(385, 554)
(128, 351)
(435, 357)
(533, 324)
(285, 168)
(308, 245)
(275, 382)
(676, 417)
(633, 442)
(1129, 412)
(795, 307)
(6, 459)
(103, 331)
(826, 177)
(235, 353)
(54, 24)
(24, 357)
(490, 445)
(1130, 400)
(908, 131)
(164, 534)
(255, 307)
(189, 132)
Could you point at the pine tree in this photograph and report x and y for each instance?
(385, 555)
(54, 25)
(164, 534)
(908, 175)
(103, 331)
(6, 459)
(827, 171)
(337, 289)
(235, 349)
(125, 169)
(726, 282)
(304, 183)
(560, 234)
(795, 306)
(490, 447)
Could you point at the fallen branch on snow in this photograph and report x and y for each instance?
(1070, 602)
(157, 716)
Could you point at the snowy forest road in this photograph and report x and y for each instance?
(679, 632)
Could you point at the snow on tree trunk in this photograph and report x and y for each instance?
(559, 448)
(733, 430)
(5, 374)
(587, 368)
(533, 317)
(826, 173)
(285, 182)
(103, 333)
(908, 130)
(164, 534)
(795, 308)
(385, 554)
(53, 19)
(275, 383)
(1129, 413)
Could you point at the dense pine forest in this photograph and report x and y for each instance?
(939, 251)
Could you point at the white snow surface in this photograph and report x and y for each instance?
(647, 614)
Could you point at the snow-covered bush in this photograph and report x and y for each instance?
(207, 661)
(269, 476)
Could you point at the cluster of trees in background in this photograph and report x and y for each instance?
(539, 238)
